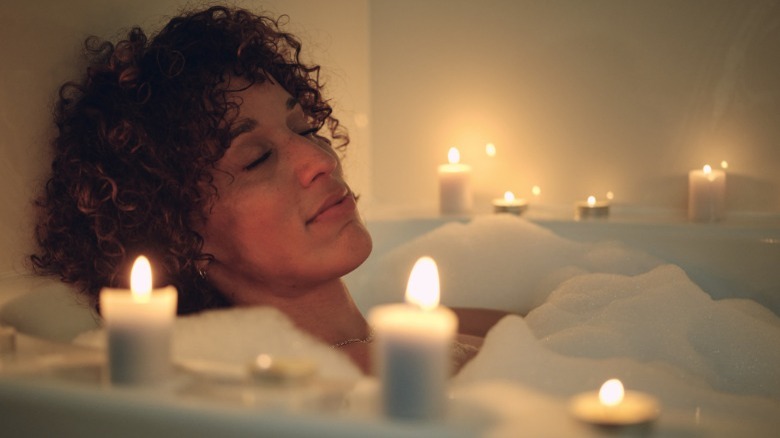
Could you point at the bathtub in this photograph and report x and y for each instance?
(64, 394)
(737, 259)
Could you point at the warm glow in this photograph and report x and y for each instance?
(724, 164)
(423, 287)
(361, 120)
(611, 392)
(453, 156)
(610, 195)
(707, 169)
(591, 201)
(490, 150)
(536, 190)
(263, 361)
(141, 279)
(509, 196)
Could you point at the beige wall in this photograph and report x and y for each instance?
(579, 97)
(40, 44)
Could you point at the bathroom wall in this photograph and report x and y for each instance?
(579, 98)
(40, 45)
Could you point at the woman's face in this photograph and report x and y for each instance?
(283, 220)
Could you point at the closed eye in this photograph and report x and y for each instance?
(258, 161)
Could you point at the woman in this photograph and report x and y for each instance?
(209, 149)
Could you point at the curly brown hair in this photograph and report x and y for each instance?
(137, 141)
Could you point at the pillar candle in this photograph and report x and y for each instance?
(139, 325)
(706, 194)
(455, 195)
(413, 348)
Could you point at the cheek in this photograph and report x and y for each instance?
(240, 226)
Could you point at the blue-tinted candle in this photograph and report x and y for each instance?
(413, 348)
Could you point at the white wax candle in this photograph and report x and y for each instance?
(613, 406)
(139, 323)
(706, 194)
(455, 195)
(509, 204)
(592, 209)
(413, 348)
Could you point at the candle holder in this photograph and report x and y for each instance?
(591, 209)
(613, 406)
(509, 204)
(269, 370)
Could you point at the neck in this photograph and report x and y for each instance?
(325, 311)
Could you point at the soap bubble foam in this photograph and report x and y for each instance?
(591, 312)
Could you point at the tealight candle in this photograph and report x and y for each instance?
(454, 185)
(706, 194)
(282, 370)
(613, 406)
(139, 323)
(592, 209)
(412, 348)
(509, 204)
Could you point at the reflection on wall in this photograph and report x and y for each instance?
(578, 98)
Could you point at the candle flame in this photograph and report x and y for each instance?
(453, 155)
(536, 190)
(509, 196)
(707, 169)
(611, 392)
(610, 195)
(724, 164)
(591, 201)
(490, 150)
(423, 287)
(141, 279)
(263, 361)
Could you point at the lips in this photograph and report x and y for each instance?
(333, 205)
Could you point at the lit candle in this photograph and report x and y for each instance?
(706, 194)
(592, 209)
(139, 323)
(454, 185)
(509, 204)
(282, 370)
(613, 406)
(413, 348)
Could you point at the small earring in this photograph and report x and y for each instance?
(202, 273)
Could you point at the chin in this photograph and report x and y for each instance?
(358, 248)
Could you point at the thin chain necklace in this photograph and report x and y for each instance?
(365, 340)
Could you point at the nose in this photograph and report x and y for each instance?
(314, 161)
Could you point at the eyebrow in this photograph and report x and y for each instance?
(244, 126)
(247, 125)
